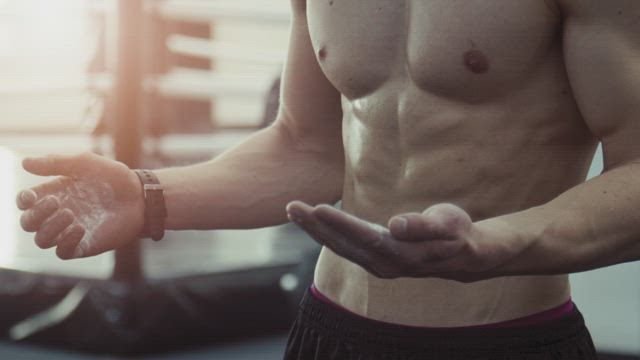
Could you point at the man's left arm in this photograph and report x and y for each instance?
(596, 223)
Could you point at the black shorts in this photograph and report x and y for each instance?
(322, 332)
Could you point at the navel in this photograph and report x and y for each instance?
(476, 61)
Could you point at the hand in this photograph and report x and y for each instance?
(440, 242)
(95, 204)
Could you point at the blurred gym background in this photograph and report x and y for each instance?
(162, 83)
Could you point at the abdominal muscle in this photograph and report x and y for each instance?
(486, 187)
(434, 302)
(504, 171)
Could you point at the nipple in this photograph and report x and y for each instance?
(322, 53)
(476, 61)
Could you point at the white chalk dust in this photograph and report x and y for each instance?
(89, 201)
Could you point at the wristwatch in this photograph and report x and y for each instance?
(155, 210)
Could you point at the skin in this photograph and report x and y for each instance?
(458, 135)
(55, 218)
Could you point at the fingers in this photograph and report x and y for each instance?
(348, 224)
(26, 199)
(296, 210)
(439, 222)
(67, 165)
(347, 229)
(364, 252)
(418, 227)
(303, 215)
(32, 219)
(363, 235)
(54, 186)
(52, 227)
(68, 242)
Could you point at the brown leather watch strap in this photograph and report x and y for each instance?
(155, 210)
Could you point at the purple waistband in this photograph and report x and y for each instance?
(557, 312)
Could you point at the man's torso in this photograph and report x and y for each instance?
(461, 101)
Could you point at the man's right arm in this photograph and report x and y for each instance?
(96, 204)
(299, 157)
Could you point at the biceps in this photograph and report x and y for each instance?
(310, 107)
(603, 64)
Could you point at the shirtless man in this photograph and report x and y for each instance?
(458, 135)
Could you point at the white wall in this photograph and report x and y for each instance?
(257, 36)
(44, 49)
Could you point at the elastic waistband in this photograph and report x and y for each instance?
(325, 318)
(557, 312)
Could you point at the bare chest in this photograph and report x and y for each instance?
(451, 48)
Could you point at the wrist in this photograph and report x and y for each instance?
(137, 196)
(512, 237)
(155, 212)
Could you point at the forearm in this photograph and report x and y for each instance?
(592, 225)
(250, 185)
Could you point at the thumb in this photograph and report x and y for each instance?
(51, 165)
(448, 220)
(439, 222)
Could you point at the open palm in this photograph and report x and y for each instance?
(94, 205)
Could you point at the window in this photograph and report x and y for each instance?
(44, 50)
